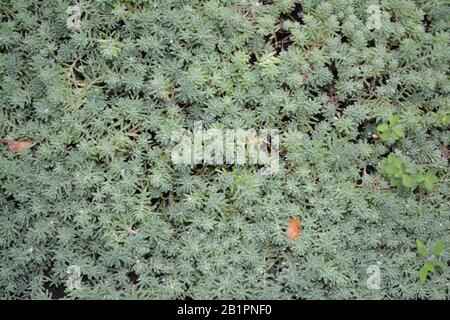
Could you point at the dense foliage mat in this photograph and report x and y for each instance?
(86, 178)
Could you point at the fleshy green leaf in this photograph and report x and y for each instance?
(394, 119)
(398, 131)
(420, 178)
(421, 248)
(438, 248)
(383, 127)
(423, 272)
(407, 181)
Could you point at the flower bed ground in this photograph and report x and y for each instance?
(93, 205)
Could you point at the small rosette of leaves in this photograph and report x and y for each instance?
(434, 260)
(407, 176)
(392, 130)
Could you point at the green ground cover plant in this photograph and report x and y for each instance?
(91, 92)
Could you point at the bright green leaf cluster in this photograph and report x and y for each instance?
(392, 130)
(404, 175)
(430, 266)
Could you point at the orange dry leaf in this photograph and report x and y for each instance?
(19, 146)
(293, 231)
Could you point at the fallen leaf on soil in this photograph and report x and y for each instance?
(19, 146)
(293, 231)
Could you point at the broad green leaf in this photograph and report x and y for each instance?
(423, 273)
(391, 158)
(394, 119)
(396, 182)
(398, 131)
(407, 181)
(385, 135)
(383, 127)
(421, 248)
(420, 178)
(389, 169)
(411, 170)
(438, 248)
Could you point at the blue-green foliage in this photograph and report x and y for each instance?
(98, 190)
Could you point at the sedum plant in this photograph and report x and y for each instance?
(93, 207)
